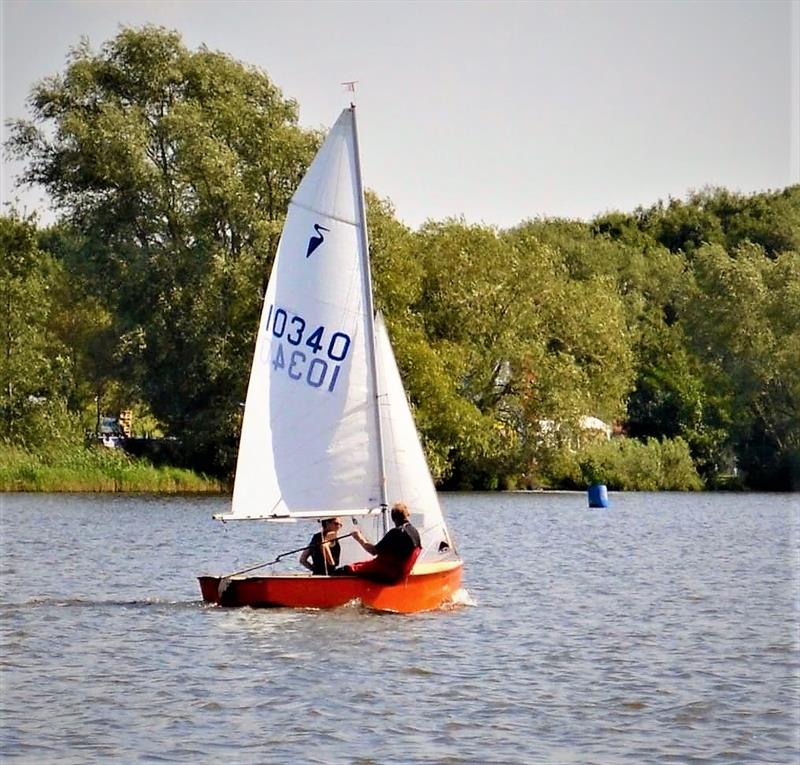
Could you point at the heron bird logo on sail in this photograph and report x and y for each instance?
(316, 241)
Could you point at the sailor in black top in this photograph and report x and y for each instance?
(399, 542)
(323, 549)
(394, 555)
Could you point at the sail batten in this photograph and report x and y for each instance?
(322, 212)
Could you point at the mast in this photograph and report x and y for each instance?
(370, 321)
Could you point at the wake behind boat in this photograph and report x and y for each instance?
(327, 429)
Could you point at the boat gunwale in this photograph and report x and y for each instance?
(420, 570)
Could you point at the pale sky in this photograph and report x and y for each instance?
(497, 111)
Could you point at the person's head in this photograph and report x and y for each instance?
(400, 513)
(331, 524)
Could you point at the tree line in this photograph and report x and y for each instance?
(171, 171)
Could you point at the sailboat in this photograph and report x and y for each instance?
(327, 430)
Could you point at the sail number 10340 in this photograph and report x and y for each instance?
(312, 353)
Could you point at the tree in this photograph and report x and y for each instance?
(176, 168)
(771, 219)
(503, 330)
(34, 368)
(683, 226)
(706, 339)
(579, 300)
(743, 320)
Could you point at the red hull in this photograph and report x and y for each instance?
(427, 588)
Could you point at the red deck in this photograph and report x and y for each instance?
(428, 587)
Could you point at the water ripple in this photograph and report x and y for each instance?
(662, 631)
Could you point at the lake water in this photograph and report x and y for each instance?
(662, 630)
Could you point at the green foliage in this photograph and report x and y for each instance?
(626, 464)
(397, 270)
(679, 324)
(175, 168)
(770, 220)
(718, 216)
(682, 226)
(79, 468)
(35, 374)
(519, 341)
(719, 366)
(743, 320)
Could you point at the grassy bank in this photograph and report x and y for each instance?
(96, 469)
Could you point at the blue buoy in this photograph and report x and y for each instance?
(598, 495)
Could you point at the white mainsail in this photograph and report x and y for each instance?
(311, 435)
(309, 428)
